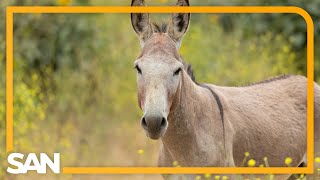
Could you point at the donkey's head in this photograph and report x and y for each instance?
(159, 67)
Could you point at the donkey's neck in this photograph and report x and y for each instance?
(193, 133)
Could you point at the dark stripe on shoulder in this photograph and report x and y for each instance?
(216, 97)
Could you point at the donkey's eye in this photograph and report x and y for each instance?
(177, 72)
(138, 69)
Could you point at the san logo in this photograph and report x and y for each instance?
(32, 163)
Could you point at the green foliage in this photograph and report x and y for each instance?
(48, 49)
(232, 62)
(291, 26)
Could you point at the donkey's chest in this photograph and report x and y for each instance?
(200, 150)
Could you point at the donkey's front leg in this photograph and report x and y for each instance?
(165, 160)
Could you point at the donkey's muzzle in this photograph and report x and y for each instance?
(154, 125)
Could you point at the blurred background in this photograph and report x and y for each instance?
(74, 81)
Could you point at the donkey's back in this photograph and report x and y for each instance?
(268, 119)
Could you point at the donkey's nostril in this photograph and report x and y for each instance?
(163, 123)
(143, 122)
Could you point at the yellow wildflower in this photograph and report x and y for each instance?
(224, 177)
(271, 177)
(251, 163)
(246, 154)
(288, 161)
(140, 151)
(216, 177)
(64, 2)
(207, 176)
(317, 159)
(175, 163)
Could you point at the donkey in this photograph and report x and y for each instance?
(207, 125)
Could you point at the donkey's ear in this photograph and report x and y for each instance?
(179, 23)
(140, 22)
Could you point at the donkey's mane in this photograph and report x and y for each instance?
(276, 78)
(189, 70)
(191, 74)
